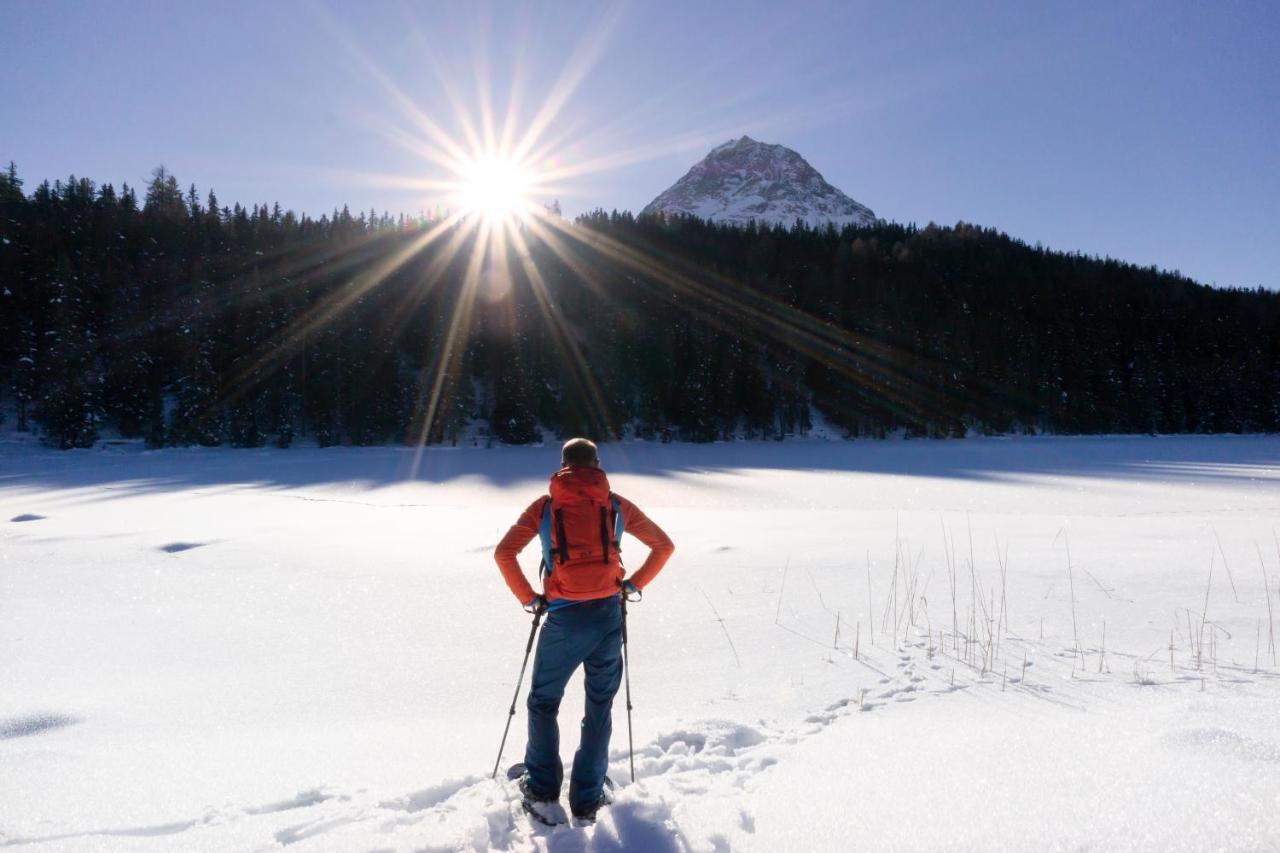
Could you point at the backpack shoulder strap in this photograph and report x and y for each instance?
(544, 533)
(619, 523)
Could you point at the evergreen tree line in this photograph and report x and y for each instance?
(180, 321)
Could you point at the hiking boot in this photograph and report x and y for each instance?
(588, 813)
(534, 796)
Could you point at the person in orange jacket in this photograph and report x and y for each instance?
(580, 523)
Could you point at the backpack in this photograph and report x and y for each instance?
(577, 526)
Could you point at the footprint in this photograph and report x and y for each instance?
(33, 724)
(178, 547)
(429, 797)
(302, 800)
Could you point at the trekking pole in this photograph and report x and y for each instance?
(537, 617)
(626, 672)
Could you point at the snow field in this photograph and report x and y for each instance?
(263, 649)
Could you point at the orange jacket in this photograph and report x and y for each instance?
(582, 578)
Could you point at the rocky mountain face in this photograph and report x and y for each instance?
(744, 180)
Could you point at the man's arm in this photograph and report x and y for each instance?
(520, 535)
(660, 546)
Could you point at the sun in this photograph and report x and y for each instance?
(497, 188)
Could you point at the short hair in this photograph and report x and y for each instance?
(580, 452)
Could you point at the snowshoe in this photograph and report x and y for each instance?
(545, 812)
(539, 807)
(588, 815)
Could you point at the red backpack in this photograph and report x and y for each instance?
(581, 520)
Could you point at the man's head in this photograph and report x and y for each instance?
(580, 453)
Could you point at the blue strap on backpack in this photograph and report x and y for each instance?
(544, 533)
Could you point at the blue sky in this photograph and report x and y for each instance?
(1144, 131)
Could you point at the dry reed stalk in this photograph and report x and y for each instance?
(1266, 591)
(1225, 564)
(723, 627)
(1191, 641)
(1102, 655)
(949, 554)
(1002, 622)
(1213, 647)
(871, 610)
(973, 575)
(1257, 648)
(777, 616)
(1204, 616)
(1071, 581)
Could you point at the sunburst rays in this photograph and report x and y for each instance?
(494, 172)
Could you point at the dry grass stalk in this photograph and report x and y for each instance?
(723, 627)
(1102, 655)
(1191, 642)
(1002, 623)
(1213, 647)
(1204, 616)
(949, 554)
(1226, 565)
(871, 612)
(777, 616)
(1257, 649)
(1271, 622)
(1071, 582)
(973, 581)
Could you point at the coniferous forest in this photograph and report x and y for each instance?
(174, 319)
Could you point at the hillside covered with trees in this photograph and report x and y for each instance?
(174, 319)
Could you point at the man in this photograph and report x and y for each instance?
(580, 523)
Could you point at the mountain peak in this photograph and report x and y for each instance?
(734, 143)
(745, 180)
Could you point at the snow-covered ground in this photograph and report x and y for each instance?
(246, 650)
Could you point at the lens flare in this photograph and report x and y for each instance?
(497, 188)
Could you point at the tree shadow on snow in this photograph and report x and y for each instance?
(1182, 459)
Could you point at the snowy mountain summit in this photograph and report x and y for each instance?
(744, 180)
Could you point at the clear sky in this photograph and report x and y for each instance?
(1144, 131)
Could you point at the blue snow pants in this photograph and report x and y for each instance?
(587, 635)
